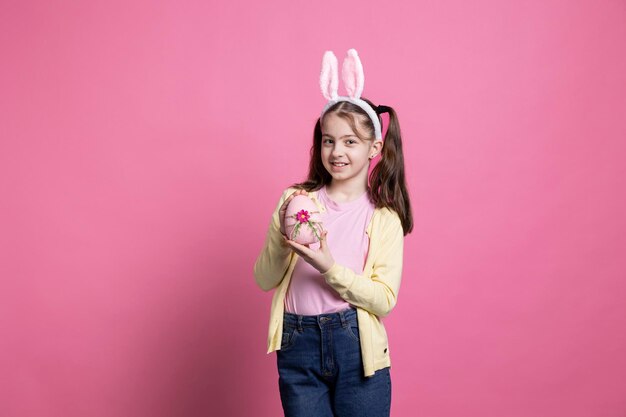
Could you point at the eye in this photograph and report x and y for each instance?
(352, 140)
(326, 140)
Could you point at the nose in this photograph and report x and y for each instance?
(337, 151)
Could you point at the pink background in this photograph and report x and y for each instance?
(144, 146)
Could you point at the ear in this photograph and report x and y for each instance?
(329, 77)
(377, 146)
(352, 74)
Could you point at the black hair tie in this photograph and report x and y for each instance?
(382, 109)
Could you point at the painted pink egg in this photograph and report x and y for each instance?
(303, 221)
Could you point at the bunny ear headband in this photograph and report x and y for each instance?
(353, 80)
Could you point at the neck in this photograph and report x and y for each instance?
(344, 192)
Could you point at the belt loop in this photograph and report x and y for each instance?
(300, 323)
(344, 322)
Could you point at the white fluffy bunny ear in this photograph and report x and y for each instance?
(352, 74)
(329, 77)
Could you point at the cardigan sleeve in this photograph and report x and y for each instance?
(378, 292)
(273, 261)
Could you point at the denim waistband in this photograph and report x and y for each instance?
(339, 318)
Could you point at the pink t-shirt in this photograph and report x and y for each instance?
(308, 292)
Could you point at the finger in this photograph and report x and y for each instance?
(297, 251)
(296, 244)
(286, 202)
(291, 197)
(325, 241)
(300, 248)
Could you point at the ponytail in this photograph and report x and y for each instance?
(387, 179)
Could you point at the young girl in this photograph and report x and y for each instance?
(325, 320)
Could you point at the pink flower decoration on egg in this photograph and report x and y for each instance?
(302, 216)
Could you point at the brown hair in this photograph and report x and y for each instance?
(387, 184)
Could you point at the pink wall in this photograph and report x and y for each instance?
(145, 144)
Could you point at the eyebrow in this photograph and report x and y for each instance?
(344, 136)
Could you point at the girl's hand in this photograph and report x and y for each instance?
(321, 259)
(283, 209)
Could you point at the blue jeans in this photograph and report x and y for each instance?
(321, 371)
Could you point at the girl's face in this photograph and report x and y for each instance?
(340, 145)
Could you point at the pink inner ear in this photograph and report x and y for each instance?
(334, 78)
(325, 80)
(329, 77)
(349, 76)
(352, 74)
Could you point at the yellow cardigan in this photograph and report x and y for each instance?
(374, 293)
